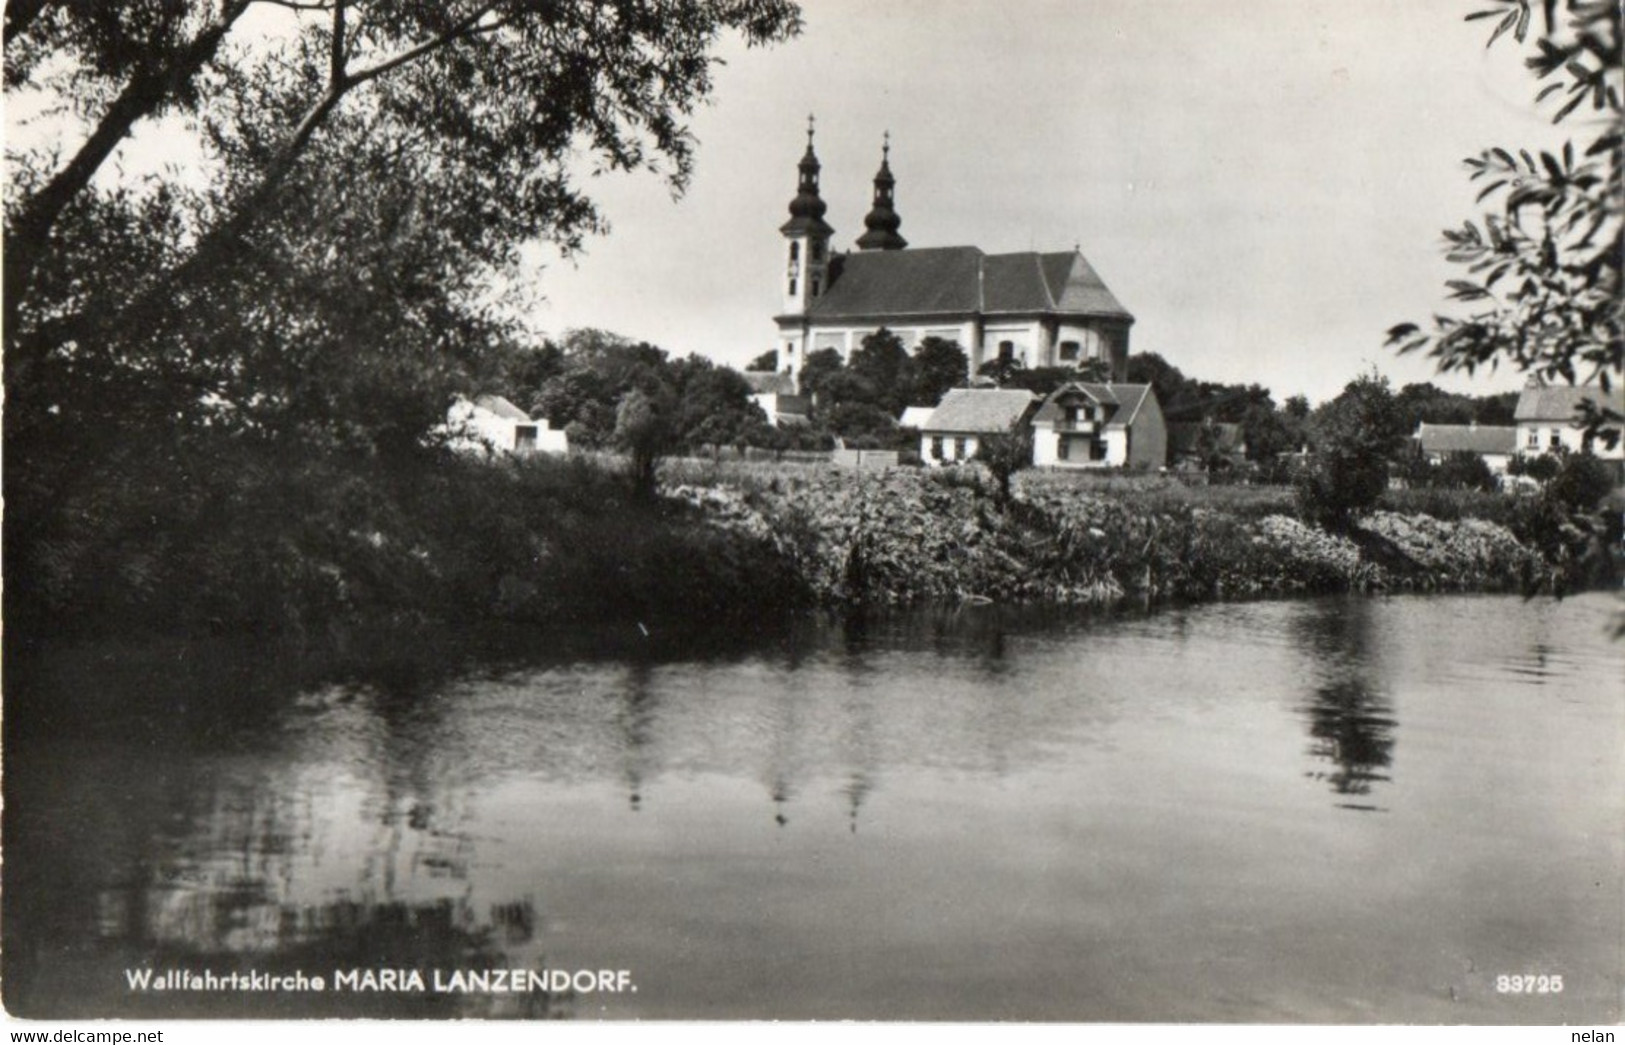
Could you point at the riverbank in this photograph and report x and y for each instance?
(559, 545)
(910, 536)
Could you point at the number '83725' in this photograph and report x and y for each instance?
(1531, 984)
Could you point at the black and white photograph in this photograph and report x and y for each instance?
(968, 512)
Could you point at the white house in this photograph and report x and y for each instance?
(775, 392)
(491, 424)
(1494, 443)
(966, 416)
(1546, 415)
(1086, 425)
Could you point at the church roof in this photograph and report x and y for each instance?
(962, 281)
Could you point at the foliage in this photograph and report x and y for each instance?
(1581, 482)
(767, 362)
(1543, 270)
(313, 295)
(1540, 467)
(1354, 438)
(939, 365)
(646, 429)
(1005, 454)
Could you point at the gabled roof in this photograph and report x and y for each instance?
(1122, 402)
(979, 410)
(1479, 439)
(1543, 402)
(501, 407)
(963, 281)
(770, 382)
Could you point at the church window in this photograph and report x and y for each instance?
(1069, 351)
(792, 284)
(1007, 351)
(815, 286)
(818, 250)
(795, 250)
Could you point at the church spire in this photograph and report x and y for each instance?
(882, 222)
(807, 209)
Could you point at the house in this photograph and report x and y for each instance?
(915, 417)
(1202, 444)
(1085, 425)
(1545, 418)
(1494, 443)
(1041, 309)
(491, 424)
(966, 416)
(775, 392)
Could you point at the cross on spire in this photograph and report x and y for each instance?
(885, 146)
(809, 129)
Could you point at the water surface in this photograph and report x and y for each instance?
(1322, 811)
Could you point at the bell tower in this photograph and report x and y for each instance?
(882, 221)
(806, 235)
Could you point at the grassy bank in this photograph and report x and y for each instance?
(338, 547)
(910, 536)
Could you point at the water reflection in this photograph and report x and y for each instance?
(1350, 716)
(941, 815)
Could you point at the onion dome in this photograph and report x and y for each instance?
(882, 222)
(807, 209)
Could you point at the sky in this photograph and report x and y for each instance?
(1263, 184)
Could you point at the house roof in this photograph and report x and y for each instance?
(1478, 439)
(1543, 402)
(915, 416)
(979, 410)
(1122, 402)
(770, 382)
(963, 281)
(501, 407)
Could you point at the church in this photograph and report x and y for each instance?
(1041, 309)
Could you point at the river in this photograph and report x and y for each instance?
(1335, 810)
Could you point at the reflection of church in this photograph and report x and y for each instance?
(1043, 309)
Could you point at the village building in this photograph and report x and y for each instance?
(491, 424)
(1085, 425)
(1494, 443)
(1546, 418)
(955, 429)
(775, 392)
(1038, 309)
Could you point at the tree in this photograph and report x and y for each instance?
(817, 366)
(883, 362)
(309, 300)
(644, 429)
(1005, 454)
(1354, 436)
(1543, 269)
(938, 366)
(767, 362)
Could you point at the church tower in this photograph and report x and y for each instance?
(806, 234)
(882, 222)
